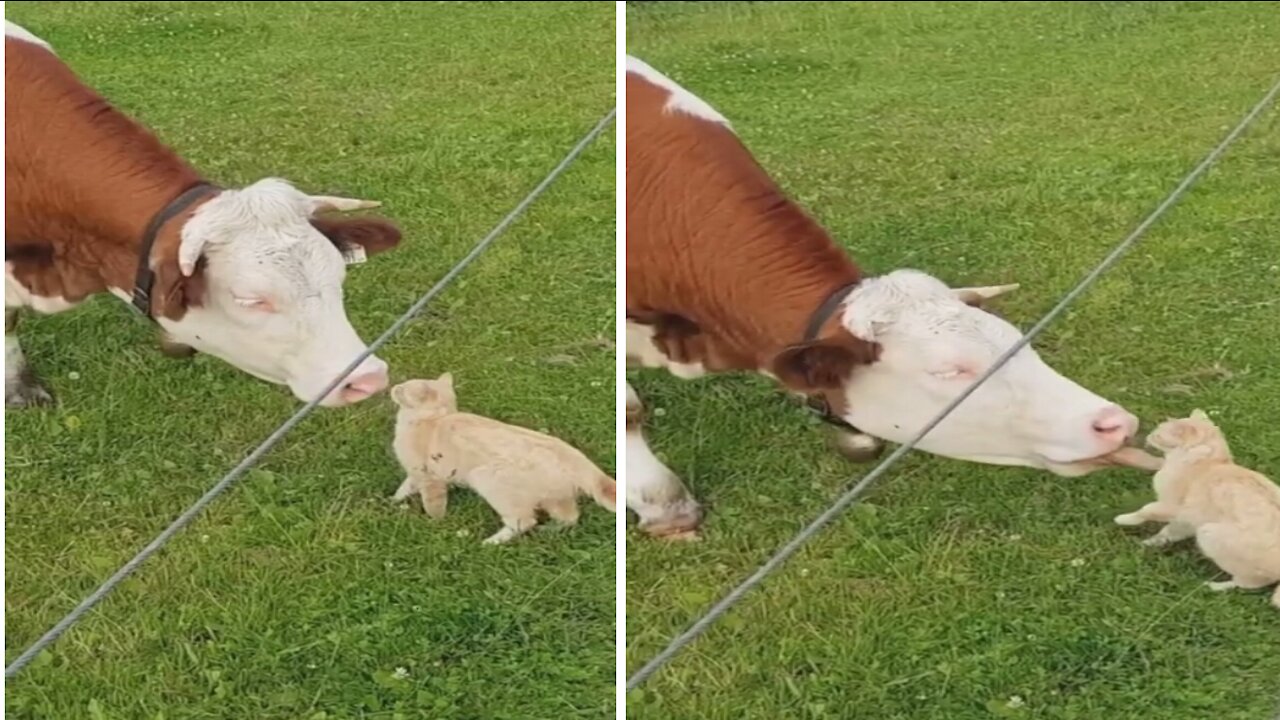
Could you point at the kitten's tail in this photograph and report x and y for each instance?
(604, 490)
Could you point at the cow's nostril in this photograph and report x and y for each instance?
(1115, 422)
(364, 386)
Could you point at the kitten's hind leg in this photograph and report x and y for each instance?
(564, 511)
(518, 516)
(513, 526)
(1236, 550)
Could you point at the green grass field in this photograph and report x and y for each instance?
(303, 590)
(987, 143)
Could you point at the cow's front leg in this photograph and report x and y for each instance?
(654, 493)
(21, 387)
(643, 351)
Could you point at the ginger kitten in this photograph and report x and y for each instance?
(516, 470)
(1233, 512)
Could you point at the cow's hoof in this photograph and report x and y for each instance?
(176, 350)
(681, 536)
(670, 533)
(679, 522)
(857, 447)
(27, 395)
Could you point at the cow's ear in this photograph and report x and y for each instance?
(358, 237)
(173, 291)
(824, 364)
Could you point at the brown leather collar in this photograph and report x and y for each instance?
(826, 309)
(818, 403)
(146, 277)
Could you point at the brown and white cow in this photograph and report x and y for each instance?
(725, 273)
(252, 275)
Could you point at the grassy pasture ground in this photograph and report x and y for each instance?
(303, 591)
(987, 143)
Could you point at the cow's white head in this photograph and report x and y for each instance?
(915, 344)
(256, 280)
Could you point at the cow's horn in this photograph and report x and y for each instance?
(327, 203)
(978, 294)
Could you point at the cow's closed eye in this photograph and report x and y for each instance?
(954, 372)
(254, 302)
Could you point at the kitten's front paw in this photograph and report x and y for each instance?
(1220, 586)
(404, 491)
(1158, 540)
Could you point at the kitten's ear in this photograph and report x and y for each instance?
(1199, 414)
(397, 395)
(446, 379)
(1186, 433)
(412, 393)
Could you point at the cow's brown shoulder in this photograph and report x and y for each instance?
(715, 244)
(82, 180)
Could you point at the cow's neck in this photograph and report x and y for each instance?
(761, 290)
(116, 194)
(91, 182)
(723, 247)
(784, 303)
